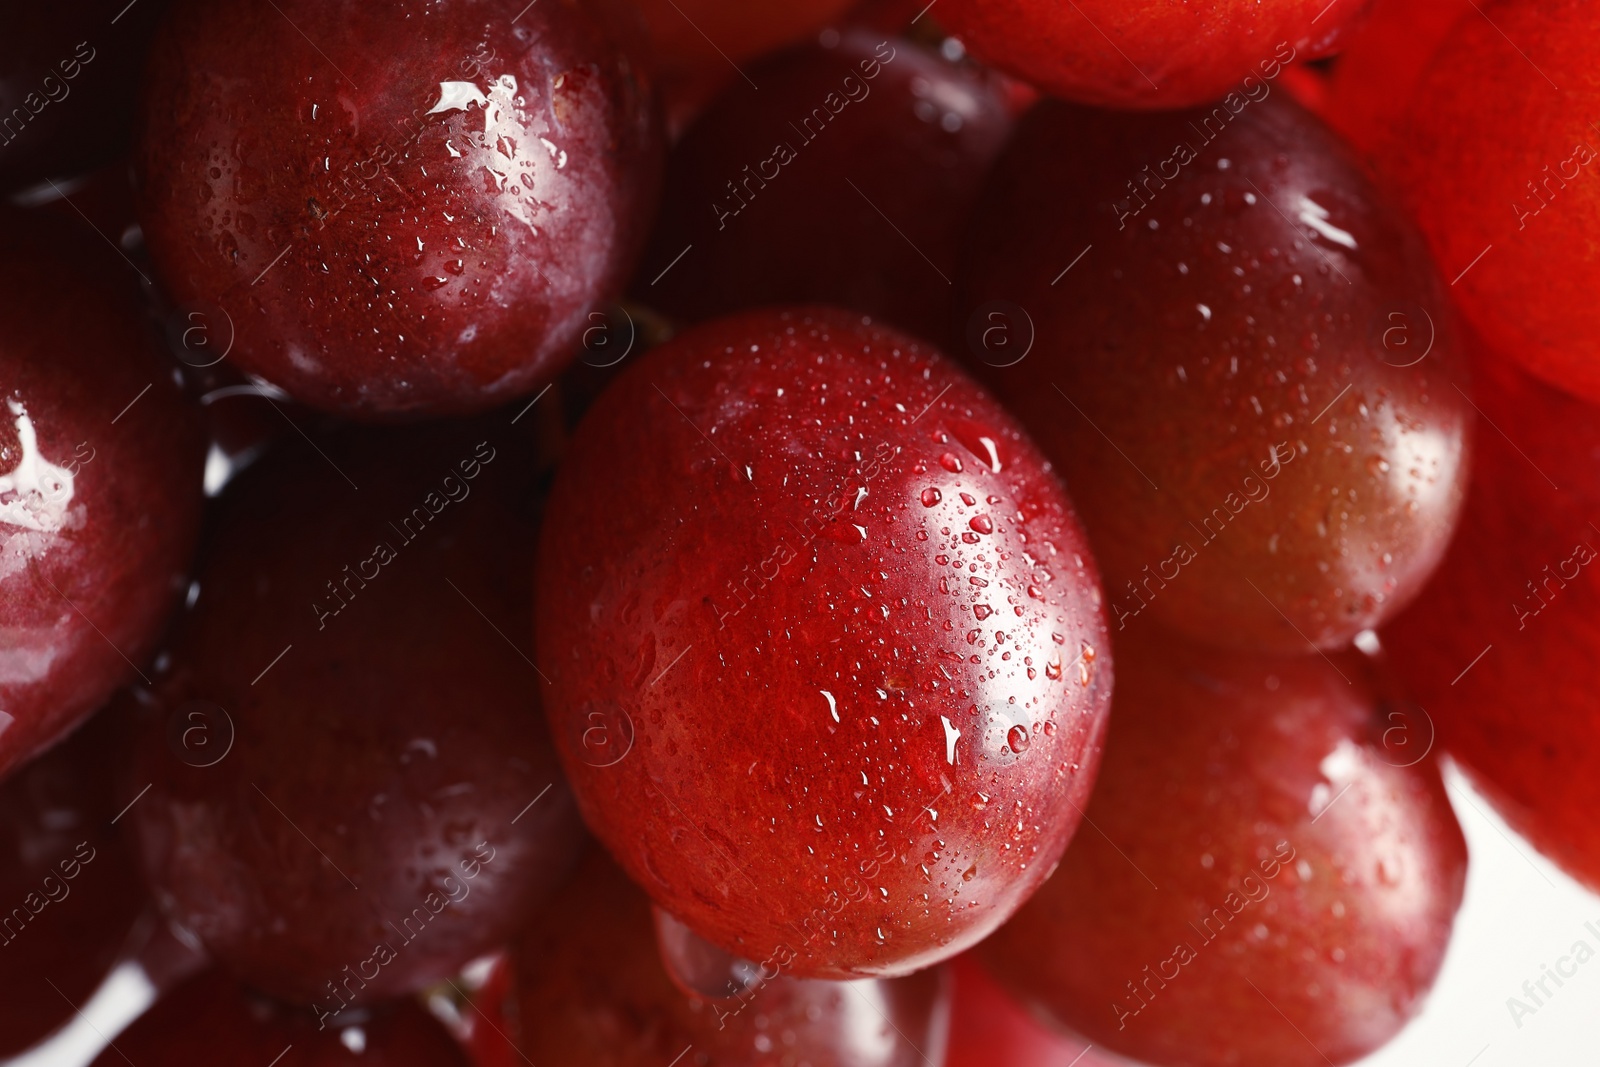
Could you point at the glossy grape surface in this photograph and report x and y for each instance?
(846, 179)
(1241, 360)
(213, 1019)
(1503, 649)
(354, 791)
(593, 991)
(828, 660)
(1148, 53)
(1274, 876)
(100, 476)
(68, 883)
(402, 210)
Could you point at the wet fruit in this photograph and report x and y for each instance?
(847, 180)
(828, 660)
(1274, 874)
(353, 790)
(1241, 359)
(100, 476)
(412, 215)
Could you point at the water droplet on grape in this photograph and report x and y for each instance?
(981, 442)
(845, 533)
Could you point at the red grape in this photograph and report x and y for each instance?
(1148, 53)
(402, 209)
(100, 490)
(1512, 624)
(1245, 367)
(828, 654)
(1273, 875)
(354, 792)
(592, 990)
(860, 158)
(1492, 158)
(69, 891)
(213, 1019)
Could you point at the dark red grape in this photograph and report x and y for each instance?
(846, 179)
(1273, 874)
(405, 209)
(354, 791)
(829, 661)
(100, 491)
(1242, 361)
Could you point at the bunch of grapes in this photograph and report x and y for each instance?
(815, 534)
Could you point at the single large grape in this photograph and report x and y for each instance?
(354, 793)
(1498, 180)
(1241, 359)
(213, 1019)
(592, 990)
(401, 209)
(1149, 53)
(69, 890)
(828, 658)
(100, 481)
(64, 74)
(1503, 649)
(847, 179)
(1273, 875)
